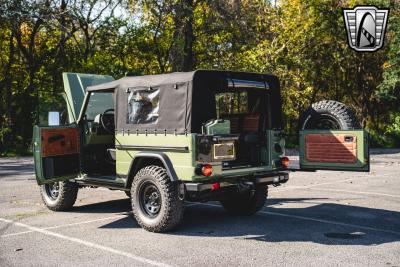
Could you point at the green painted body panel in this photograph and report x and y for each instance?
(184, 162)
(276, 138)
(362, 163)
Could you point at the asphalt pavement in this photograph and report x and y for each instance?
(324, 218)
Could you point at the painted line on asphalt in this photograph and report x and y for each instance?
(356, 192)
(87, 243)
(79, 223)
(67, 225)
(319, 220)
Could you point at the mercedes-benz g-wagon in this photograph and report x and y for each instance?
(196, 136)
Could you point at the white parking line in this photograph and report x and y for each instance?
(79, 223)
(66, 225)
(86, 243)
(319, 220)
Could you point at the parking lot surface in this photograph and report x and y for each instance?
(323, 218)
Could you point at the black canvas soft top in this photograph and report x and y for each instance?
(186, 99)
(144, 81)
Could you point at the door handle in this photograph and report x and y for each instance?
(348, 138)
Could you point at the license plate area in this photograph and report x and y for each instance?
(224, 151)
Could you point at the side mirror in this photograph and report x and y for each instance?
(54, 118)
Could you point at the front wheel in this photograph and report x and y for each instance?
(59, 196)
(155, 198)
(246, 203)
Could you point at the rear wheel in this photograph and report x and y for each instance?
(155, 201)
(59, 196)
(246, 203)
(328, 115)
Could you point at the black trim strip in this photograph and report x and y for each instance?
(107, 184)
(153, 148)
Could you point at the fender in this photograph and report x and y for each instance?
(154, 155)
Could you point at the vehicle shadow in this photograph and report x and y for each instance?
(20, 169)
(112, 206)
(322, 223)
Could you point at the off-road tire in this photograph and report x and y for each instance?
(246, 203)
(340, 116)
(171, 209)
(67, 193)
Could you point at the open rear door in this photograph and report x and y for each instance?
(345, 150)
(56, 153)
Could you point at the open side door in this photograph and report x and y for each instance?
(56, 152)
(345, 150)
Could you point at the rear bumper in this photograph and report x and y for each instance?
(265, 179)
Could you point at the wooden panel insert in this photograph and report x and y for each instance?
(251, 123)
(235, 124)
(331, 148)
(61, 141)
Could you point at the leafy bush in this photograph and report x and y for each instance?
(390, 138)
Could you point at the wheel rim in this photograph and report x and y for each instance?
(324, 122)
(53, 190)
(150, 199)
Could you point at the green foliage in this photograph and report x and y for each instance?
(393, 130)
(303, 42)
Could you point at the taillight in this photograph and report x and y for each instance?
(206, 170)
(285, 162)
(215, 186)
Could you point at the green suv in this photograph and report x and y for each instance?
(188, 136)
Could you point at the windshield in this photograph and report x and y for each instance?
(98, 103)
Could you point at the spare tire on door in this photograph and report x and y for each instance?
(328, 115)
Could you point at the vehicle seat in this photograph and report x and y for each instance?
(251, 123)
(111, 153)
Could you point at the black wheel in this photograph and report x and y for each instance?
(246, 203)
(155, 201)
(328, 115)
(59, 196)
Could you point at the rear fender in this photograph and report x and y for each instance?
(159, 156)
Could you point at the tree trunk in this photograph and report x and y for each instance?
(8, 138)
(181, 53)
(188, 60)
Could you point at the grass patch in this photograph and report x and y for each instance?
(23, 215)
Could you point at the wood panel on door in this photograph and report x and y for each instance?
(62, 141)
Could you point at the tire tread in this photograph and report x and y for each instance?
(67, 196)
(174, 206)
